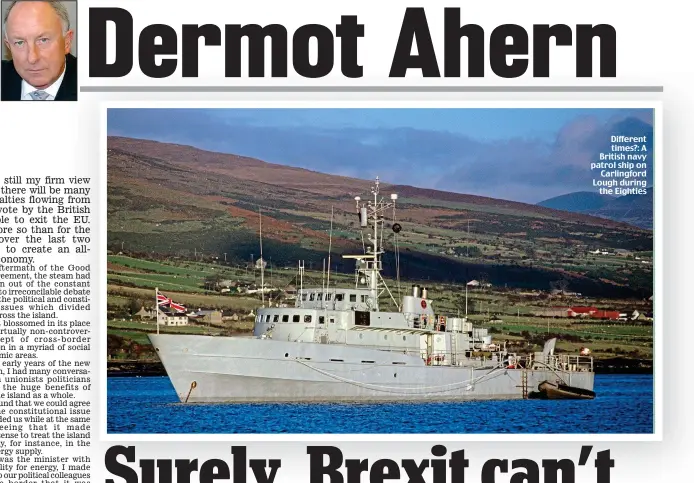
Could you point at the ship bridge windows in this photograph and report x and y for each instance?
(328, 296)
(339, 297)
(321, 319)
(308, 319)
(285, 318)
(276, 318)
(296, 318)
(352, 297)
(267, 318)
(363, 299)
(320, 297)
(362, 318)
(332, 320)
(312, 297)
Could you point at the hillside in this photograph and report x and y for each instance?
(636, 210)
(175, 200)
(578, 202)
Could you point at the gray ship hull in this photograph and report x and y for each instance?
(249, 369)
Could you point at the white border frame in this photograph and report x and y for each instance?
(658, 266)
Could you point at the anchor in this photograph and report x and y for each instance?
(193, 385)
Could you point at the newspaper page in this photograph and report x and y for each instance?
(343, 242)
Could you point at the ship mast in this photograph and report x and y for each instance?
(372, 264)
(262, 261)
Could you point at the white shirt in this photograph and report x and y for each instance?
(52, 90)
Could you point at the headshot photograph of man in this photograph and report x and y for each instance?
(39, 39)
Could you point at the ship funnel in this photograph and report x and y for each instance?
(424, 292)
(415, 291)
(363, 217)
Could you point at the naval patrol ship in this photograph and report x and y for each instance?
(335, 344)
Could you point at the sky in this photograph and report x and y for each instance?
(526, 155)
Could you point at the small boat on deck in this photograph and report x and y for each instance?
(555, 390)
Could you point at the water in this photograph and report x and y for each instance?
(624, 404)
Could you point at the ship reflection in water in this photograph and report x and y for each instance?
(624, 404)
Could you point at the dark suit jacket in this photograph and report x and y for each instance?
(12, 82)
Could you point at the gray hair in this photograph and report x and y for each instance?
(59, 8)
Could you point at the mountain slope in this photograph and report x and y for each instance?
(636, 210)
(578, 202)
(178, 200)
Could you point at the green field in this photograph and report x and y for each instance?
(507, 314)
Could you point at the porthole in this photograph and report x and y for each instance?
(286, 354)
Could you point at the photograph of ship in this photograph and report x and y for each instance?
(354, 263)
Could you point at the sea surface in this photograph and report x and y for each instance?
(624, 404)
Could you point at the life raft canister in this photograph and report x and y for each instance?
(436, 359)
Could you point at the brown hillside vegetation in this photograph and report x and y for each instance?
(200, 164)
(173, 199)
(239, 167)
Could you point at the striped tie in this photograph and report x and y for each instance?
(39, 95)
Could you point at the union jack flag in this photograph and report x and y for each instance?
(177, 307)
(164, 301)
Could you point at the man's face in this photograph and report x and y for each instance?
(35, 38)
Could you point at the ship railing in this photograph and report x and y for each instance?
(556, 362)
(457, 358)
(573, 363)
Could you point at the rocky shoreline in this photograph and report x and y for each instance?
(622, 365)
